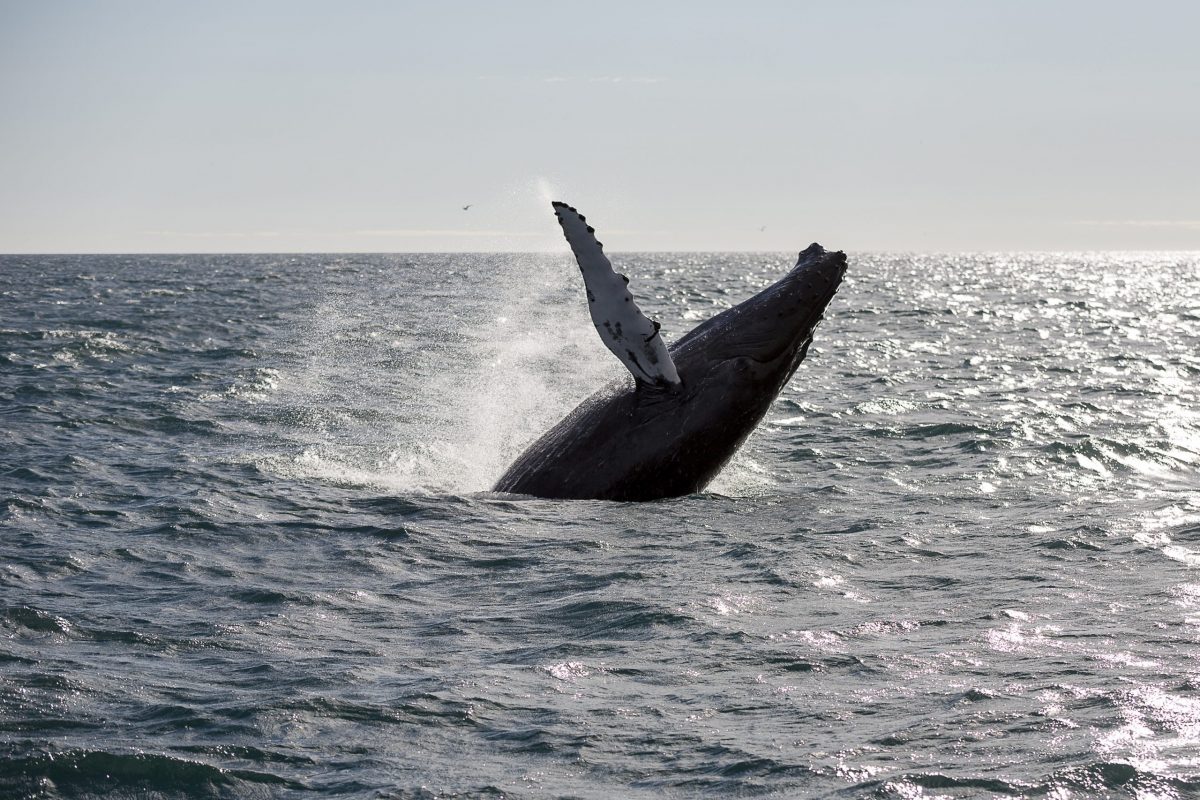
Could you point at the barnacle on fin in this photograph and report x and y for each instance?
(648, 360)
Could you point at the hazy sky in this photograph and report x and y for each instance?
(161, 126)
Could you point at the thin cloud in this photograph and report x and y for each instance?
(216, 234)
(1142, 223)
(401, 232)
(622, 79)
(604, 79)
(396, 232)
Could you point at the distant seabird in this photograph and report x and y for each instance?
(468, 205)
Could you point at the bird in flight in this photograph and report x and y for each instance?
(468, 205)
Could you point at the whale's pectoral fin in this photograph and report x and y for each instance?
(625, 330)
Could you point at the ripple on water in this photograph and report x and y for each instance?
(248, 548)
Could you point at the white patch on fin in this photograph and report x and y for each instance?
(624, 329)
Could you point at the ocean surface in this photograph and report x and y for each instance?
(248, 548)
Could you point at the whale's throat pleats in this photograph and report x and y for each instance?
(625, 330)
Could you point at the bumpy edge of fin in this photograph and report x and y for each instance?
(631, 336)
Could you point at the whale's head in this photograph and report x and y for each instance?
(756, 346)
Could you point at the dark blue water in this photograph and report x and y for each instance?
(247, 548)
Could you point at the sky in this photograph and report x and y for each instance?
(142, 126)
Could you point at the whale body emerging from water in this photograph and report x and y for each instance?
(688, 409)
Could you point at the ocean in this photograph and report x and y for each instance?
(248, 547)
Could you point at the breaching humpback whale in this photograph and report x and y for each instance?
(688, 409)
